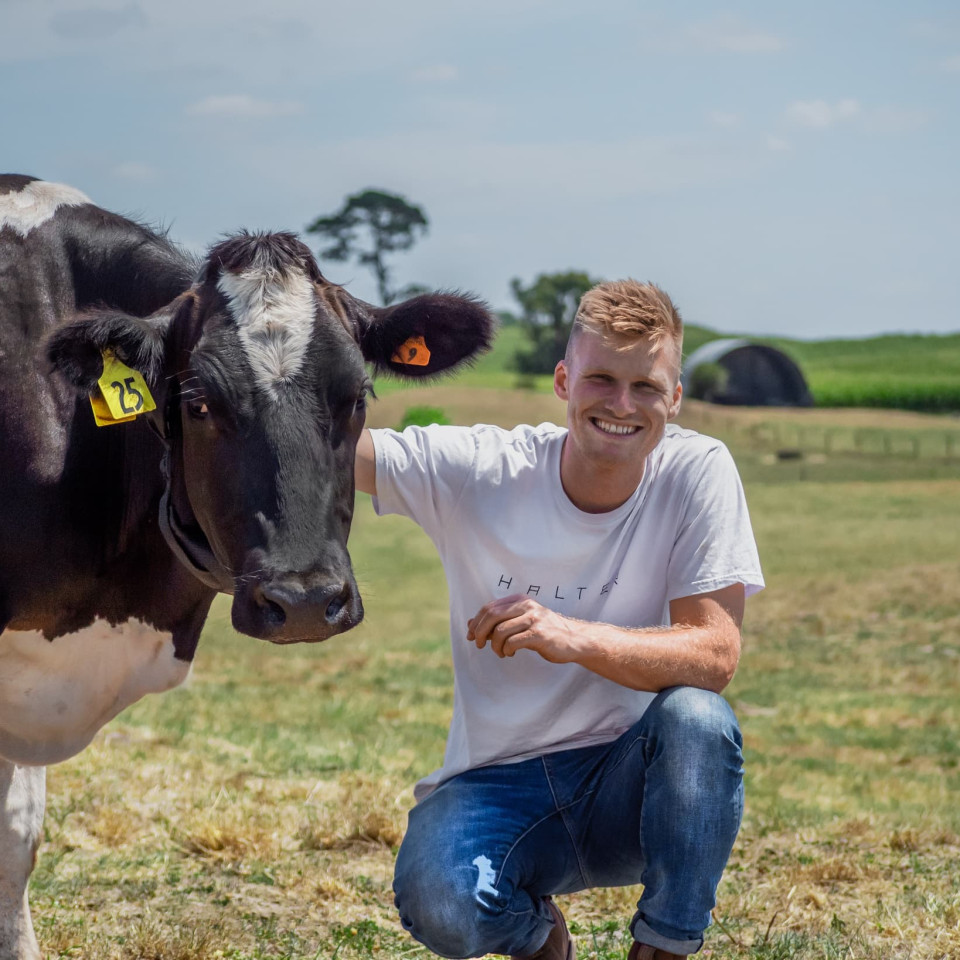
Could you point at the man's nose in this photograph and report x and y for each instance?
(621, 401)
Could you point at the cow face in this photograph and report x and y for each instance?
(261, 387)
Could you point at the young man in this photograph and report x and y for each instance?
(597, 578)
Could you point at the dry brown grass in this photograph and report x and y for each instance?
(357, 809)
(469, 405)
(852, 875)
(306, 859)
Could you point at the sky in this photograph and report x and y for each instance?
(788, 169)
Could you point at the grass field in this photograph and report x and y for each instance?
(256, 812)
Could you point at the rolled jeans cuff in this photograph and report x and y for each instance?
(642, 933)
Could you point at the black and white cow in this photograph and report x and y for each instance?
(114, 540)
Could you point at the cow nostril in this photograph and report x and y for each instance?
(271, 607)
(336, 604)
(273, 614)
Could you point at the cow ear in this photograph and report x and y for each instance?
(426, 335)
(75, 350)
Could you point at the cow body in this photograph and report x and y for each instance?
(114, 541)
(80, 549)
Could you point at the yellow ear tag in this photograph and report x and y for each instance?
(123, 396)
(413, 352)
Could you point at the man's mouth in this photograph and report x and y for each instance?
(617, 429)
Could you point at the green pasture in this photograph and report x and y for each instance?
(256, 812)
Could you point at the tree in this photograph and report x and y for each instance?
(386, 219)
(708, 381)
(548, 307)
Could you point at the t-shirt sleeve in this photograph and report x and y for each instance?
(715, 546)
(422, 471)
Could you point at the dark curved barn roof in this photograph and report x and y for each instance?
(758, 375)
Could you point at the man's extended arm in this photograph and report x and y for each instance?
(365, 464)
(701, 649)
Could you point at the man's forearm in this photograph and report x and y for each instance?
(700, 650)
(655, 658)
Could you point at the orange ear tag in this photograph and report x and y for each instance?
(413, 353)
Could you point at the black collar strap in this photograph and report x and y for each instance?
(195, 554)
(197, 557)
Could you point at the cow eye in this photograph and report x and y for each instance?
(197, 409)
(366, 391)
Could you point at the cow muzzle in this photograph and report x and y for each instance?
(285, 609)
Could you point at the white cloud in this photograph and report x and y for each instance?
(243, 106)
(819, 114)
(436, 73)
(951, 64)
(132, 170)
(895, 120)
(778, 145)
(729, 35)
(721, 118)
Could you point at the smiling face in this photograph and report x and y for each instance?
(620, 395)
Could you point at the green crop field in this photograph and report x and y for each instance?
(907, 372)
(256, 812)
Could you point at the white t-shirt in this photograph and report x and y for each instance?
(492, 502)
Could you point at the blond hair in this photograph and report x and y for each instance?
(626, 311)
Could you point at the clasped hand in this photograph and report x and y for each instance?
(518, 622)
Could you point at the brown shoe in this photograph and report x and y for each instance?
(643, 951)
(559, 943)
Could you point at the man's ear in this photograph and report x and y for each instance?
(675, 404)
(560, 375)
(426, 335)
(75, 350)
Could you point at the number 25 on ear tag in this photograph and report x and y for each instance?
(123, 395)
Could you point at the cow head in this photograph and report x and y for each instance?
(261, 388)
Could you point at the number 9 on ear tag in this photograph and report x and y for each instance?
(412, 352)
(123, 393)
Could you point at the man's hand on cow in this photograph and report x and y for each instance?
(518, 622)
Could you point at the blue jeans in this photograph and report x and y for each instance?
(660, 806)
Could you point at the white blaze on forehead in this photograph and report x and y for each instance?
(35, 204)
(274, 313)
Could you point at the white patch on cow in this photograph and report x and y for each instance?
(274, 314)
(22, 796)
(55, 695)
(35, 204)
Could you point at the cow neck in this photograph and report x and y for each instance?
(191, 548)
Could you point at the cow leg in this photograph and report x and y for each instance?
(22, 794)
